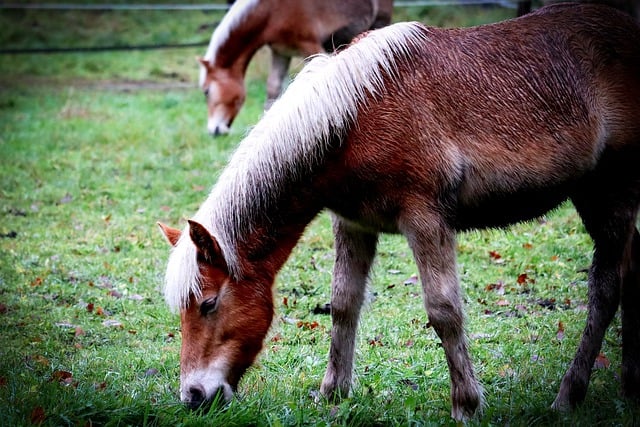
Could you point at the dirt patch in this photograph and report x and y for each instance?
(107, 85)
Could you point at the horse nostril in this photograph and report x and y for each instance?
(197, 397)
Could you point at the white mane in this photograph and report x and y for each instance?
(292, 135)
(232, 19)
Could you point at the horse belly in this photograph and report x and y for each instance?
(503, 209)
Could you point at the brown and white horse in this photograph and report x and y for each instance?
(424, 132)
(632, 7)
(289, 27)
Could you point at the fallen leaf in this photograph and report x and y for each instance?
(41, 360)
(114, 293)
(61, 376)
(527, 246)
(498, 288)
(3, 309)
(79, 331)
(506, 371)
(38, 415)
(560, 333)
(68, 198)
(151, 372)
(376, 342)
(601, 362)
(90, 307)
(409, 383)
(112, 323)
(307, 325)
(411, 280)
(100, 386)
(285, 301)
(502, 303)
(494, 255)
(549, 303)
(3, 381)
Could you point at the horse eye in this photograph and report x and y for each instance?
(206, 93)
(208, 306)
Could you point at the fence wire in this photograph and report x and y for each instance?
(184, 7)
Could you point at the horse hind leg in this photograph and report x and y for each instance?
(277, 74)
(355, 251)
(608, 208)
(631, 322)
(434, 250)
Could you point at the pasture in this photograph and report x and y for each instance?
(97, 147)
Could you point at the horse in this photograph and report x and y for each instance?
(425, 132)
(289, 27)
(632, 7)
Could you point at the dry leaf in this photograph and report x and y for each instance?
(560, 333)
(601, 362)
(38, 415)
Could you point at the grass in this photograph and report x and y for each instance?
(88, 164)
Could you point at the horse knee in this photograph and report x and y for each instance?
(446, 318)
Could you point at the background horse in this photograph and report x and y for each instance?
(424, 132)
(632, 7)
(289, 27)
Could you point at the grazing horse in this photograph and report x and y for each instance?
(632, 7)
(289, 27)
(425, 132)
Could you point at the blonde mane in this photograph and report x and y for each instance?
(294, 134)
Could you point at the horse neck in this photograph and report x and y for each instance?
(244, 38)
(257, 236)
(264, 251)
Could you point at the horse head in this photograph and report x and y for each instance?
(224, 92)
(223, 325)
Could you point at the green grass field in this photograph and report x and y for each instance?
(97, 147)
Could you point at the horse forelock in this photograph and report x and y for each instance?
(290, 140)
(182, 277)
(234, 17)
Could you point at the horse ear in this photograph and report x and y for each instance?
(206, 64)
(171, 234)
(205, 242)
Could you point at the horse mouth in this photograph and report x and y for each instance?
(197, 400)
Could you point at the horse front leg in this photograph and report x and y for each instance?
(355, 251)
(277, 74)
(434, 246)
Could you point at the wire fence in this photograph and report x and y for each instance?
(511, 4)
(208, 7)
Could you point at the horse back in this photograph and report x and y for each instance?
(330, 23)
(497, 123)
